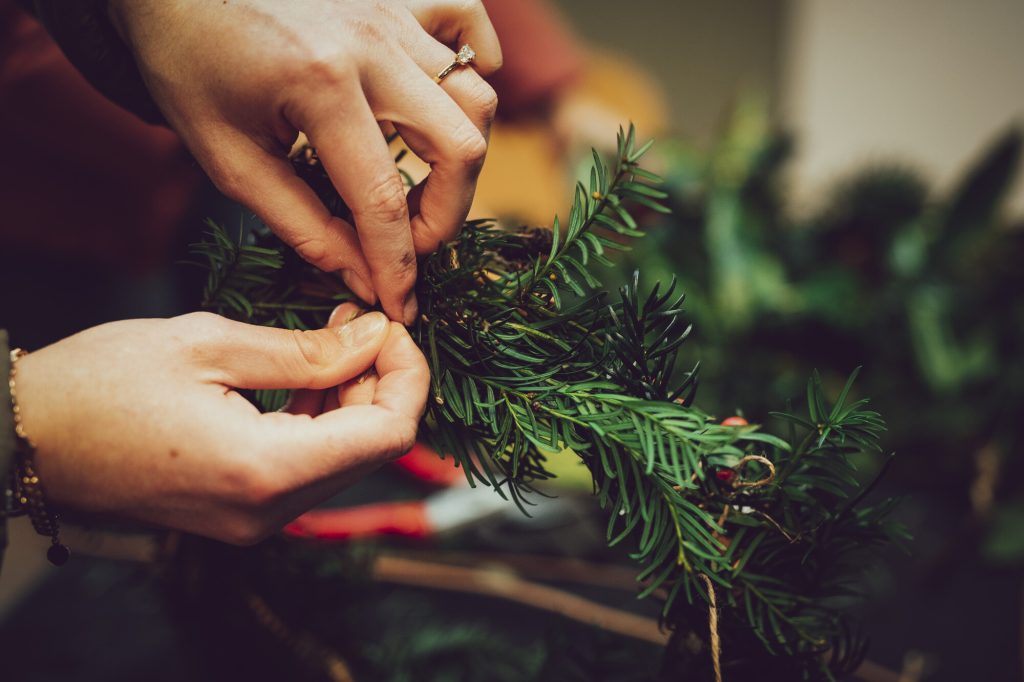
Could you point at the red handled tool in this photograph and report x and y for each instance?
(443, 511)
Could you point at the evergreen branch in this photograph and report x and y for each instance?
(528, 357)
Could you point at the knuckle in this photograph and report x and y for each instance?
(406, 262)
(322, 70)
(469, 147)
(497, 61)
(485, 98)
(331, 63)
(197, 337)
(385, 201)
(401, 439)
(386, 9)
(402, 267)
(202, 326)
(320, 63)
(314, 351)
(366, 26)
(227, 178)
(312, 250)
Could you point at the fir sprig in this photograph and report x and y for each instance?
(528, 358)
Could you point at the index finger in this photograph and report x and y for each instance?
(356, 157)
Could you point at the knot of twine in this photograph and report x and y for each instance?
(715, 642)
(302, 644)
(761, 459)
(760, 482)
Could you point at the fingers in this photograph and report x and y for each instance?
(359, 391)
(458, 23)
(441, 133)
(292, 462)
(343, 314)
(249, 174)
(307, 401)
(466, 88)
(368, 428)
(404, 376)
(248, 356)
(302, 461)
(311, 402)
(356, 156)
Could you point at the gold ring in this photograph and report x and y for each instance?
(464, 57)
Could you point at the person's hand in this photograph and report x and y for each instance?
(138, 418)
(238, 80)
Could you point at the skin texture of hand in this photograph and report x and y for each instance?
(239, 79)
(139, 418)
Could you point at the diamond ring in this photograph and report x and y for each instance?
(464, 57)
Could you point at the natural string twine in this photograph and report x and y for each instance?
(715, 640)
(302, 644)
(760, 482)
(716, 644)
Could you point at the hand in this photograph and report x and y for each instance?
(239, 79)
(138, 418)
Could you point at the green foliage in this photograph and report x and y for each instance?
(1005, 541)
(924, 284)
(529, 356)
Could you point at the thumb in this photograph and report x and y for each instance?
(250, 356)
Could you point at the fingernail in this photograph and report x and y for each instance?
(362, 329)
(410, 309)
(359, 286)
(343, 314)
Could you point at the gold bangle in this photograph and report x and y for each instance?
(19, 428)
(28, 489)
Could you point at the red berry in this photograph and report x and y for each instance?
(735, 421)
(725, 475)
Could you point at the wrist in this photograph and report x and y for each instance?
(29, 493)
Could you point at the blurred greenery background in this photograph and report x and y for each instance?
(846, 192)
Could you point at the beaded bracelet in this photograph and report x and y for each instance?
(28, 490)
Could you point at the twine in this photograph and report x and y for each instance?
(714, 641)
(761, 482)
(302, 644)
(716, 644)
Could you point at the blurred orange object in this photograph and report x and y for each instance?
(735, 421)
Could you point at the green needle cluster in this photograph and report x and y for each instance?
(531, 356)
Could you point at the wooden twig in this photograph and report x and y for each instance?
(536, 566)
(502, 585)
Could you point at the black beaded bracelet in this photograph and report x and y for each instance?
(29, 495)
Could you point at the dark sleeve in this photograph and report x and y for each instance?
(7, 442)
(84, 33)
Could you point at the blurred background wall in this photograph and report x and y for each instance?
(923, 81)
(703, 53)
